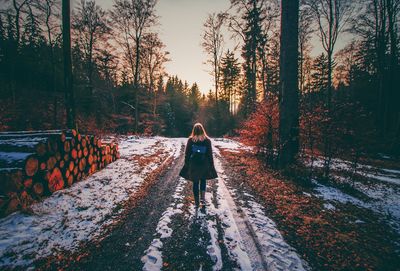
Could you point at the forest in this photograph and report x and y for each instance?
(301, 170)
(347, 98)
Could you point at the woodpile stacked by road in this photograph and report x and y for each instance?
(36, 164)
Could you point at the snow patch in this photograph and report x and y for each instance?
(331, 193)
(384, 199)
(213, 249)
(380, 174)
(232, 237)
(153, 255)
(329, 206)
(230, 144)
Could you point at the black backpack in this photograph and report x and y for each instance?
(198, 155)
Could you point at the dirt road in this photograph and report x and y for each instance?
(158, 226)
(165, 231)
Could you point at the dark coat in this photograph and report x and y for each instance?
(194, 172)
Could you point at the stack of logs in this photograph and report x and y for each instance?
(36, 164)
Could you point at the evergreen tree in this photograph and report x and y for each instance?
(177, 110)
(230, 73)
(90, 23)
(194, 98)
(252, 38)
(319, 75)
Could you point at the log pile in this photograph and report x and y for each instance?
(35, 164)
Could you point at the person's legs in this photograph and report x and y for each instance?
(196, 192)
(203, 184)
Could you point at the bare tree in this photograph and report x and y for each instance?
(213, 45)
(133, 19)
(331, 17)
(306, 29)
(51, 16)
(154, 58)
(18, 9)
(270, 25)
(289, 97)
(377, 26)
(90, 25)
(122, 28)
(346, 58)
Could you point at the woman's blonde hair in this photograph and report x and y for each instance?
(198, 133)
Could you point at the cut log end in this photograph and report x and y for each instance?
(31, 166)
(38, 189)
(51, 162)
(55, 180)
(28, 183)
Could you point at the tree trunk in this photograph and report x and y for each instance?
(153, 89)
(329, 90)
(90, 65)
(136, 84)
(68, 84)
(288, 98)
(301, 75)
(392, 111)
(216, 90)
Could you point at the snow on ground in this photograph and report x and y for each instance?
(232, 145)
(80, 213)
(275, 253)
(333, 194)
(153, 258)
(379, 174)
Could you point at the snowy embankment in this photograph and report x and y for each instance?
(81, 213)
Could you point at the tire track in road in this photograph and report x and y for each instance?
(238, 236)
(259, 237)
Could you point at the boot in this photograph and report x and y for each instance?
(196, 202)
(203, 197)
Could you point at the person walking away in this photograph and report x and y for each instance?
(199, 163)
